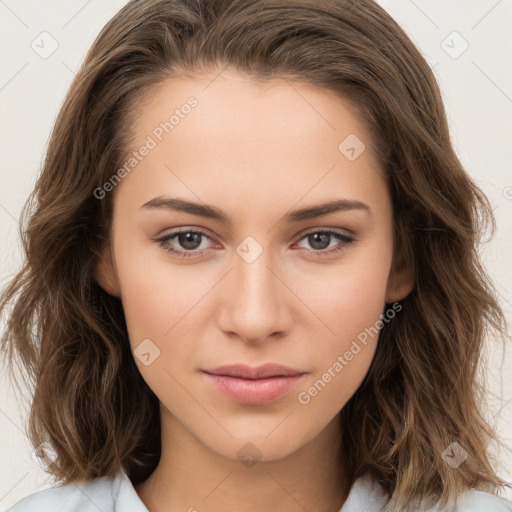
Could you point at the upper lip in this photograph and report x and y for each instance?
(259, 372)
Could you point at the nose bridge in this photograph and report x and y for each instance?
(254, 306)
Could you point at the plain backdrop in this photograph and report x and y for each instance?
(467, 42)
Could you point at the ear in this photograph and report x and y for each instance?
(400, 281)
(104, 272)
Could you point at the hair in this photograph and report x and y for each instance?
(69, 337)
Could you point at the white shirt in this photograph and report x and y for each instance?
(118, 495)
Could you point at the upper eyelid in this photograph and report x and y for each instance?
(341, 231)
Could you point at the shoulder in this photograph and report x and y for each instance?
(367, 495)
(102, 493)
(478, 501)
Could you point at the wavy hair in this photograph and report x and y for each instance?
(69, 337)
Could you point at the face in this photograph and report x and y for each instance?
(222, 255)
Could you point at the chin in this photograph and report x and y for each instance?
(250, 447)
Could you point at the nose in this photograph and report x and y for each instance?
(255, 301)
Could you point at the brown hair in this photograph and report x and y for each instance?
(422, 390)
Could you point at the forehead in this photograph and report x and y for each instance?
(230, 105)
(253, 137)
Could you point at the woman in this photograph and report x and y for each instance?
(252, 271)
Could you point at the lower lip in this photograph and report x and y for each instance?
(253, 391)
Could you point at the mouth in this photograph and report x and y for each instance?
(254, 386)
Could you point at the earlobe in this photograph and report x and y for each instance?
(400, 283)
(104, 272)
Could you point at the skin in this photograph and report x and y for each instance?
(255, 151)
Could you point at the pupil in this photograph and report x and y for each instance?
(189, 240)
(319, 240)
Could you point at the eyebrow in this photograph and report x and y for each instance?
(212, 212)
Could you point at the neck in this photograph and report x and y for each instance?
(192, 477)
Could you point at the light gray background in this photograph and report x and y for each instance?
(476, 86)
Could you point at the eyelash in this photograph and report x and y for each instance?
(345, 240)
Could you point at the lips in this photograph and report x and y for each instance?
(253, 386)
(259, 372)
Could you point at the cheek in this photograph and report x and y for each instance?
(160, 306)
(344, 356)
(350, 306)
(353, 297)
(154, 296)
(166, 304)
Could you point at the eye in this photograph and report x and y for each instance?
(189, 240)
(321, 240)
(186, 242)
